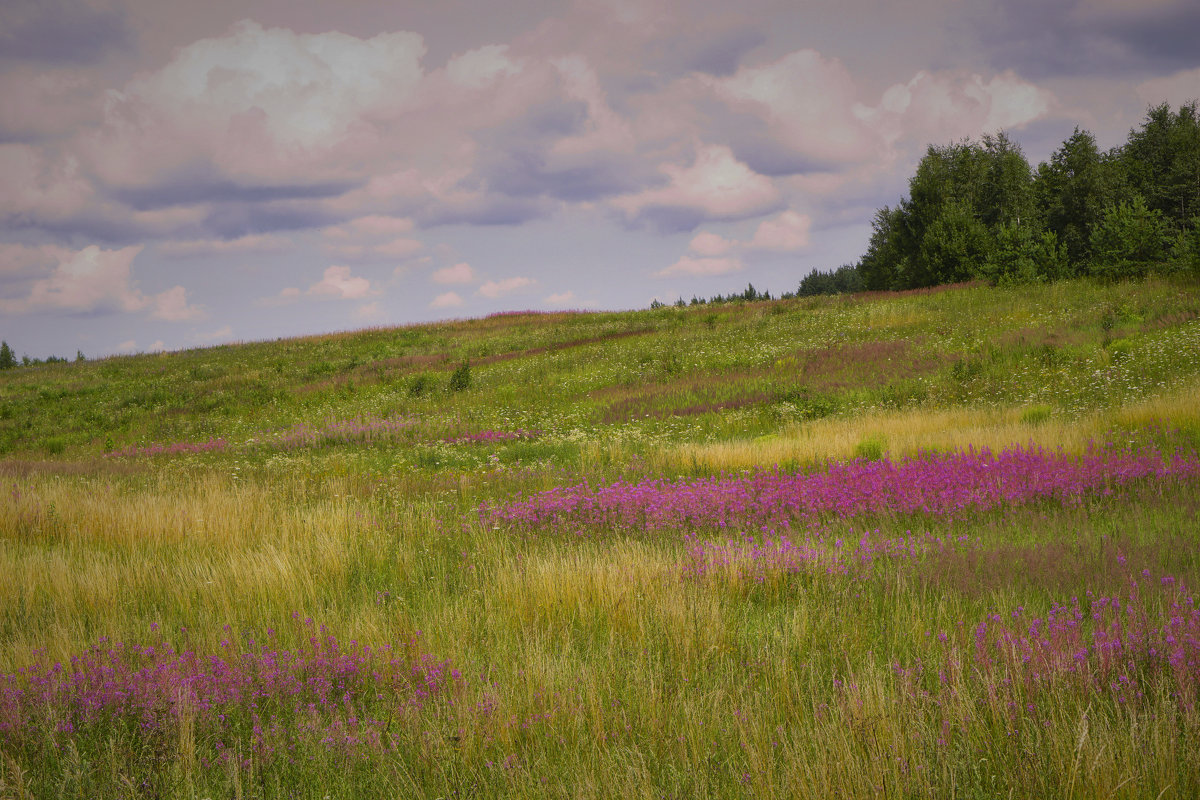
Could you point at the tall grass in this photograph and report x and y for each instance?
(183, 593)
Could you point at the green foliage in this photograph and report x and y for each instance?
(1129, 241)
(1022, 256)
(954, 248)
(1072, 191)
(421, 385)
(844, 280)
(1185, 250)
(1036, 415)
(7, 359)
(870, 449)
(460, 380)
(1162, 161)
(975, 209)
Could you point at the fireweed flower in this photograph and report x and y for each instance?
(320, 688)
(931, 484)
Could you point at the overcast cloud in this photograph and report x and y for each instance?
(175, 177)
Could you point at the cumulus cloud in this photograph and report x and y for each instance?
(494, 289)
(368, 311)
(257, 103)
(711, 244)
(807, 100)
(477, 69)
(714, 186)
(446, 300)
(459, 273)
(788, 232)
(89, 281)
(172, 306)
(561, 298)
(940, 108)
(337, 282)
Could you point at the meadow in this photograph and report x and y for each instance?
(936, 543)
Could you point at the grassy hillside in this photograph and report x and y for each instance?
(747, 549)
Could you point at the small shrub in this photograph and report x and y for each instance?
(7, 359)
(1036, 415)
(421, 385)
(461, 379)
(870, 449)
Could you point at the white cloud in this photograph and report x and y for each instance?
(257, 102)
(494, 289)
(91, 279)
(338, 282)
(809, 103)
(711, 244)
(368, 311)
(700, 265)
(172, 306)
(715, 186)
(788, 232)
(561, 298)
(446, 300)
(478, 68)
(942, 107)
(459, 273)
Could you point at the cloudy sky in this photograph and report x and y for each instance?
(177, 174)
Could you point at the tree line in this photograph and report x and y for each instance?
(8, 359)
(978, 210)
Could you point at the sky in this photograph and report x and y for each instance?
(183, 174)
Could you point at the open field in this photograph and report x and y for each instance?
(929, 544)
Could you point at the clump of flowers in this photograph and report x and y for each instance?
(260, 694)
(932, 484)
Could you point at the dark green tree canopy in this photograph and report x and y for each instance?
(975, 209)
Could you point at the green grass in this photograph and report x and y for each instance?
(592, 665)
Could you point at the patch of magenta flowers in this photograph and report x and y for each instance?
(756, 558)
(1124, 645)
(255, 695)
(933, 484)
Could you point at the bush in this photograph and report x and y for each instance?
(423, 384)
(870, 449)
(1130, 240)
(7, 359)
(461, 379)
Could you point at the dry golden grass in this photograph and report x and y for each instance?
(904, 433)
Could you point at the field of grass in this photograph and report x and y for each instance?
(929, 544)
